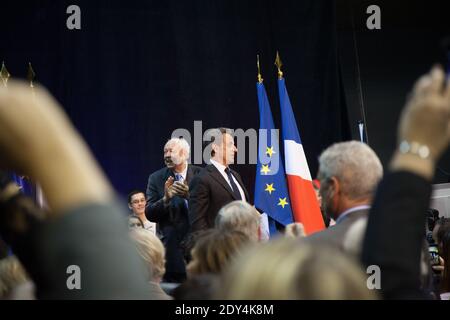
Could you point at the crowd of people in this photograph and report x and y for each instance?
(192, 233)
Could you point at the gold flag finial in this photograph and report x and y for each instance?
(30, 75)
(4, 74)
(278, 63)
(260, 79)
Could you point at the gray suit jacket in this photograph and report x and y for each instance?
(336, 235)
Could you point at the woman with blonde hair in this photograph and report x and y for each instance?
(152, 251)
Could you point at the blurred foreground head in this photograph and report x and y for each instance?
(286, 269)
(240, 216)
(214, 249)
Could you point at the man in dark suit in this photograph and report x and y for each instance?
(167, 195)
(216, 185)
(349, 173)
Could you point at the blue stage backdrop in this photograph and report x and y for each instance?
(137, 70)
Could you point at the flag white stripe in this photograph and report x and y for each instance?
(295, 160)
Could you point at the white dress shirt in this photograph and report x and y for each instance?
(183, 174)
(150, 226)
(221, 169)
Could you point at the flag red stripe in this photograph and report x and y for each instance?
(305, 207)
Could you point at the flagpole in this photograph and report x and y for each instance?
(259, 77)
(40, 198)
(30, 76)
(359, 82)
(5, 75)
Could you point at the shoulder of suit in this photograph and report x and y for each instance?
(159, 173)
(194, 168)
(204, 173)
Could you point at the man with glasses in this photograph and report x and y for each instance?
(136, 203)
(349, 173)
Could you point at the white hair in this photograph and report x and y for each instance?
(355, 165)
(241, 216)
(184, 145)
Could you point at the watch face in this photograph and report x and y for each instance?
(434, 255)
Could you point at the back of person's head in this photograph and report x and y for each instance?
(442, 226)
(197, 287)
(241, 216)
(135, 222)
(152, 251)
(285, 269)
(12, 275)
(355, 165)
(4, 251)
(214, 249)
(445, 254)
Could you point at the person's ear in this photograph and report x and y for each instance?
(335, 185)
(214, 147)
(129, 206)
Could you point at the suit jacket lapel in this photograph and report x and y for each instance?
(239, 180)
(189, 174)
(169, 173)
(220, 179)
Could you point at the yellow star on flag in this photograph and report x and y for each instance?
(270, 188)
(265, 169)
(282, 202)
(270, 151)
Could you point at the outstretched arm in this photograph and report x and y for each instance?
(85, 227)
(396, 225)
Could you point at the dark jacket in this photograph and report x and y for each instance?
(395, 233)
(335, 235)
(209, 193)
(172, 218)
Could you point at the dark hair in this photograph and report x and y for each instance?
(132, 193)
(197, 287)
(3, 249)
(444, 227)
(432, 218)
(135, 217)
(215, 133)
(215, 248)
(445, 254)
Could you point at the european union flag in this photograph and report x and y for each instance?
(271, 193)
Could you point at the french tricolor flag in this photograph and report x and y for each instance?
(305, 206)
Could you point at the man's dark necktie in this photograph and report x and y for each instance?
(235, 188)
